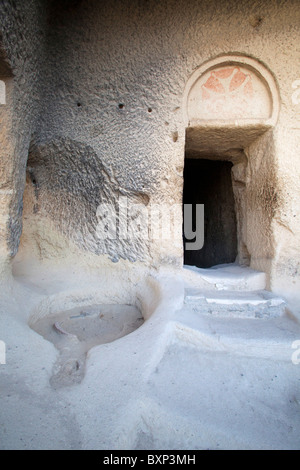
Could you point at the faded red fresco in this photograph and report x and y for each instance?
(227, 86)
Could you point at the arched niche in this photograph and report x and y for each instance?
(231, 90)
(231, 105)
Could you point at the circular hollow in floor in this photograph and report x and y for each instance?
(75, 331)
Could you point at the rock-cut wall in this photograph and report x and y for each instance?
(97, 112)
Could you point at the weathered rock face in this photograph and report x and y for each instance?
(67, 182)
(98, 90)
(21, 56)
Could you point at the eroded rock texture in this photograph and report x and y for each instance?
(67, 182)
(96, 89)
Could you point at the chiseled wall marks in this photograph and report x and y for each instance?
(113, 78)
(22, 28)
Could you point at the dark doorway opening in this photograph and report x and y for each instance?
(209, 182)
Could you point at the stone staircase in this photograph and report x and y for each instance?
(255, 304)
(231, 291)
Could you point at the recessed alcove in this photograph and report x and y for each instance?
(231, 106)
(7, 129)
(209, 182)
